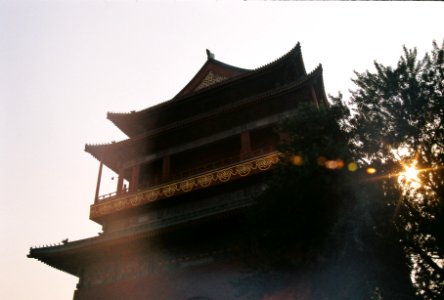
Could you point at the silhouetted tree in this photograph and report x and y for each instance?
(289, 226)
(399, 123)
(316, 227)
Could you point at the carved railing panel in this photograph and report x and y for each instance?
(186, 185)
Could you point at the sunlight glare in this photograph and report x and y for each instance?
(409, 178)
(411, 173)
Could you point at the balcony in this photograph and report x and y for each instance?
(194, 179)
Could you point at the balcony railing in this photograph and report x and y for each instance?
(255, 164)
(190, 172)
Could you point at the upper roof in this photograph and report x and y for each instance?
(213, 77)
(213, 71)
(201, 108)
(205, 122)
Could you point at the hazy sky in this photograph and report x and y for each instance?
(64, 64)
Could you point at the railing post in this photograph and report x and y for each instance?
(99, 179)
(120, 182)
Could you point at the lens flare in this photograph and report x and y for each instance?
(371, 170)
(331, 164)
(352, 167)
(409, 178)
(297, 160)
(339, 163)
(411, 174)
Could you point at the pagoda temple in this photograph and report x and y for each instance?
(189, 169)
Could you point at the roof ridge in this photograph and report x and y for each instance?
(228, 65)
(295, 49)
(210, 60)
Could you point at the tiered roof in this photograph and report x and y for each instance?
(216, 88)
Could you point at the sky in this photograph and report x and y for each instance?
(65, 64)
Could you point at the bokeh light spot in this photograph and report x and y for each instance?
(371, 170)
(339, 164)
(297, 160)
(352, 166)
(331, 164)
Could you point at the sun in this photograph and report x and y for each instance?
(409, 179)
(411, 173)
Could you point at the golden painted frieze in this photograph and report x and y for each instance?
(214, 177)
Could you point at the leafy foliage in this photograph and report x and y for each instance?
(317, 222)
(292, 219)
(399, 121)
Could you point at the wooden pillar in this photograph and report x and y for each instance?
(313, 95)
(134, 179)
(166, 167)
(245, 144)
(284, 137)
(99, 179)
(119, 189)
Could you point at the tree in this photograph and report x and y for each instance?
(316, 226)
(399, 126)
(289, 225)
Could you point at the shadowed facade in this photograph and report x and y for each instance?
(189, 169)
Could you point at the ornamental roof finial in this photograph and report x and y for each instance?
(210, 55)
